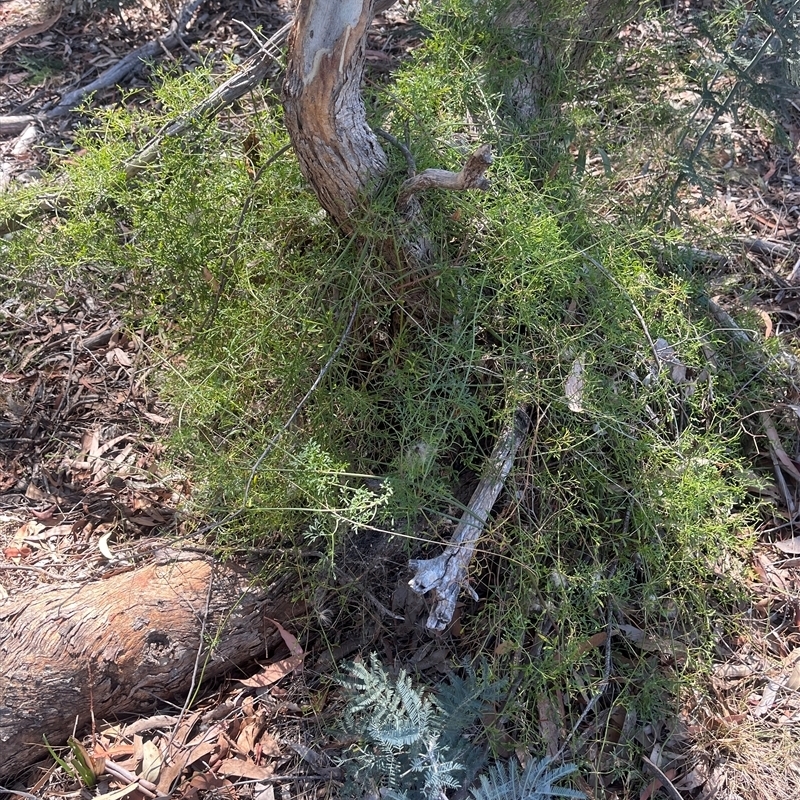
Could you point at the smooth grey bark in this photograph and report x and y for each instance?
(549, 37)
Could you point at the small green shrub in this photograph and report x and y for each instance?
(414, 745)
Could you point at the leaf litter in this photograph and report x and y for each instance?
(79, 484)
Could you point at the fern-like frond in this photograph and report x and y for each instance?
(371, 691)
(413, 744)
(438, 775)
(536, 782)
(464, 701)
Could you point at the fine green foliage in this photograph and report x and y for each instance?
(633, 489)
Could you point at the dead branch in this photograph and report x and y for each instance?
(131, 63)
(11, 126)
(472, 176)
(244, 81)
(448, 573)
(767, 247)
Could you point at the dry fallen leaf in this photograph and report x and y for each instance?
(653, 644)
(210, 785)
(102, 546)
(37, 21)
(767, 322)
(548, 725)
(791, 546)
(17, 552)
(793, 681)
(263, 791)
(239, 768)
(269, 746)
(768, 698)
(248, 735)
(573, 388)
(151, 761)
(595, 640)
(119, 356)
(667, 355)
(272, 673)
(118, 794)
(289, 639)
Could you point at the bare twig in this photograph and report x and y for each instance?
(13, 125)
(407, 155)
(31, 568)
(472, 176)
(728, 322)
(26, 795)
(794, 276)
(131, 63)
(666, 783)
(231, 90)
(767, 247)
(147, 788)
(237, 85)
(347, 578)
(448, 572)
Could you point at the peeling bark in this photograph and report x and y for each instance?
(121, 645)
(325, 115)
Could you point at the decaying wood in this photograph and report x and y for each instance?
(448, 572)
(121, 645)
(766, 247)
(471, 176)
(338, 152)
(14, 125)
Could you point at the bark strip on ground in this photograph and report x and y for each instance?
(448, 572)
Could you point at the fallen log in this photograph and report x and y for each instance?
(122, 645)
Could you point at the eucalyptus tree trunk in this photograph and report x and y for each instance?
(338, 152)
(551, 38)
